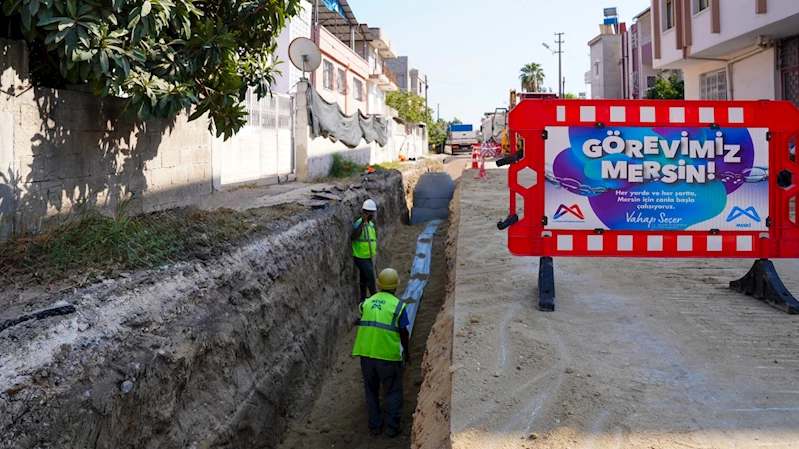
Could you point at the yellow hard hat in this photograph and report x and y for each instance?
(388, 280)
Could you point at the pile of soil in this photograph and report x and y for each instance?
(339, 416)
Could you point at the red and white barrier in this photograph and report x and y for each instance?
(486, 149)
(621, 178)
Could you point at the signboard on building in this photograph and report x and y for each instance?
(654, 179)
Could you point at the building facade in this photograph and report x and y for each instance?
(605, 76)
(353, 72)
(402, 69)
(298, 26)
(638, 75)
(418, 82)
(730, 49)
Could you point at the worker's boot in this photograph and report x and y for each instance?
(392, 432)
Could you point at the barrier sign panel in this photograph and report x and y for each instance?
(647, 178)
(655, 179)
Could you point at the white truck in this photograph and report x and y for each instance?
(493, 123)
(462, 137)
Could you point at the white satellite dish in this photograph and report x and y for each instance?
(305, 55)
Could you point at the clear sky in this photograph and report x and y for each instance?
(472, 50)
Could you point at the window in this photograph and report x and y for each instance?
(327, 75)
(669, 14)
(713, 85)
(650, 81)
(342, 82)
(357, 89)
(702, 5)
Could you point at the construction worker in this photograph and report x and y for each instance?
(364, 247)
(383, 328)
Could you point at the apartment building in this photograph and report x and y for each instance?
(418, 81)
(606, 70)
(730, 49)
(353, 71)
(638, 75)
(298, 26)
(409, 79)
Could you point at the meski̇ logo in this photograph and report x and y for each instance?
(737, 213)
(574, 210)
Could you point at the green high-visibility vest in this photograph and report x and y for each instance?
(378, 334)
(360, 246)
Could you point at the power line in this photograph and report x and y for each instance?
(469, 84)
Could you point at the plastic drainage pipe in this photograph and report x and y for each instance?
(420, 272)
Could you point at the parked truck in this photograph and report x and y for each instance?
(461, 137)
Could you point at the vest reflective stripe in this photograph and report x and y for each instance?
(360, 246)
(378, 335)
(387, 327)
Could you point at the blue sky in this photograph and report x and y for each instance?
(472, 50)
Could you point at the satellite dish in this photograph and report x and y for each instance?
(305, 55)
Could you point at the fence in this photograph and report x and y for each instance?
(264, 148)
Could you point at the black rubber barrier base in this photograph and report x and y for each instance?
(763, 282)
(546, 285)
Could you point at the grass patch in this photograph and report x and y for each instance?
(251, 185)
(344, 168)
(387, 166)
(90, 242)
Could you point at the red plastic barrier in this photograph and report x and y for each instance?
(610, 178)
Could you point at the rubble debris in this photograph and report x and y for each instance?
(327, 196)
(314, 204)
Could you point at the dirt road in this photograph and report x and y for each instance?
(639, 353)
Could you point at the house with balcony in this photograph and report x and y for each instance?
(730, 49)
(638, 75)
(377, 49)
(353, 71)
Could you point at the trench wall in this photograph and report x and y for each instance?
(220, 353)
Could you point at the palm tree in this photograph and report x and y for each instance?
(531, 77)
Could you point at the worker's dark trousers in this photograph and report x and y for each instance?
(367, 274)
(389, 374)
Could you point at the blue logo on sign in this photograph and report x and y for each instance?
(737, 212)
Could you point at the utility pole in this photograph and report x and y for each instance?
(438, 112)
(564, 86)
(560, 41)
(426, 110)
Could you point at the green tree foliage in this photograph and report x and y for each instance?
(409, 106)
(455, 121)
(162, 55)
(671, 89)
(570, 97)
(437, 132)
(531, 77)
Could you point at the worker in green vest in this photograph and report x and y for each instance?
(364, 247)
(383, 328)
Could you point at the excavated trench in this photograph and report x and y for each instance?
(221, 353)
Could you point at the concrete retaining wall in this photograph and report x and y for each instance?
(59, 147)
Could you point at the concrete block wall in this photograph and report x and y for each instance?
(59, 147)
